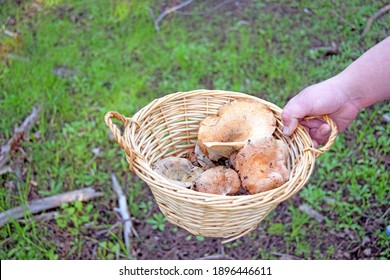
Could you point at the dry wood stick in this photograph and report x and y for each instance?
(41, 217)
(5, 170)
(216, 7)
(124, 211)
(311, 212)
(343, 20)
(11, 34)
(20, 133)
(216, 257)
(168, 11)
(42, 204)
(381, 12)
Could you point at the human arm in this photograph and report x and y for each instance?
(363, 83)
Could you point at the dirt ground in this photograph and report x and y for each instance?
(319, 242)
(174, 243)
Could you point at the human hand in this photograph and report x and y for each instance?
(325, 98)
(363, 83)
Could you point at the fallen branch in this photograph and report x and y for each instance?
(5, 241)
(386, 118)
(380, 13)
(324, 51)
(16, 57)
(343, 20)
(205, 12)
(166, 12)
(11, 34)
(124, 211)
(216, 257)
(6, 169)
(311, 212)
(49, 216)
(286, 256)
(20, 133)
(42, 204)
(384, 215)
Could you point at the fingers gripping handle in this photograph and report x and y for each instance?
(118, 134)
(332, 137)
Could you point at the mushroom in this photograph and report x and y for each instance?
(191, 156)
(262, 164)
(198, 158)
(202, 159)
(178, 170)
(235, 123)
(218, 180)
(232, 159)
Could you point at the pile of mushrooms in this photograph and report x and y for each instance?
(236, 153)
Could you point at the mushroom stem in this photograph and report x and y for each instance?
(223, 144)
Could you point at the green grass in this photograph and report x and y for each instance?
(115, 60)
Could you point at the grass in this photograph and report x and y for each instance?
(80, 59)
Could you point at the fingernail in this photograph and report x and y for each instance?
(324, 130)
(286, 131)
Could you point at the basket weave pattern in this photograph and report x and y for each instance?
(168, 126)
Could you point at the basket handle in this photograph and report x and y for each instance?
(130, 153)
(333, 133)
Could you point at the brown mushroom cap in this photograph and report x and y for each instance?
(218, 180)
(177, 170)
(236, 122)
(261, 164)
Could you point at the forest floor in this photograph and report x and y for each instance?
(81, 59)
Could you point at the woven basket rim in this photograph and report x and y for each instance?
(131, 125)
(152, 133)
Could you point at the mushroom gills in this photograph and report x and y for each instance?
(178, 170)
(235, 123)
(198, 158)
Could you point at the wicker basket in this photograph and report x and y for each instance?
(168, 126)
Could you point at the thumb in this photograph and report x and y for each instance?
(295, 110)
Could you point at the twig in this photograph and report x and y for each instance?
(343, 20)
(216, 7)
(152, 14)
(11, 34)
(166, 12)
(216, 257)
(124, 211)
(5, 241)
(384, 215)
(20, 133)
(6, 169)
(16, 57)
(286, 256)
(42, 217)
(380, 13)
(311, 212)
(324, 51)
(42, 204)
